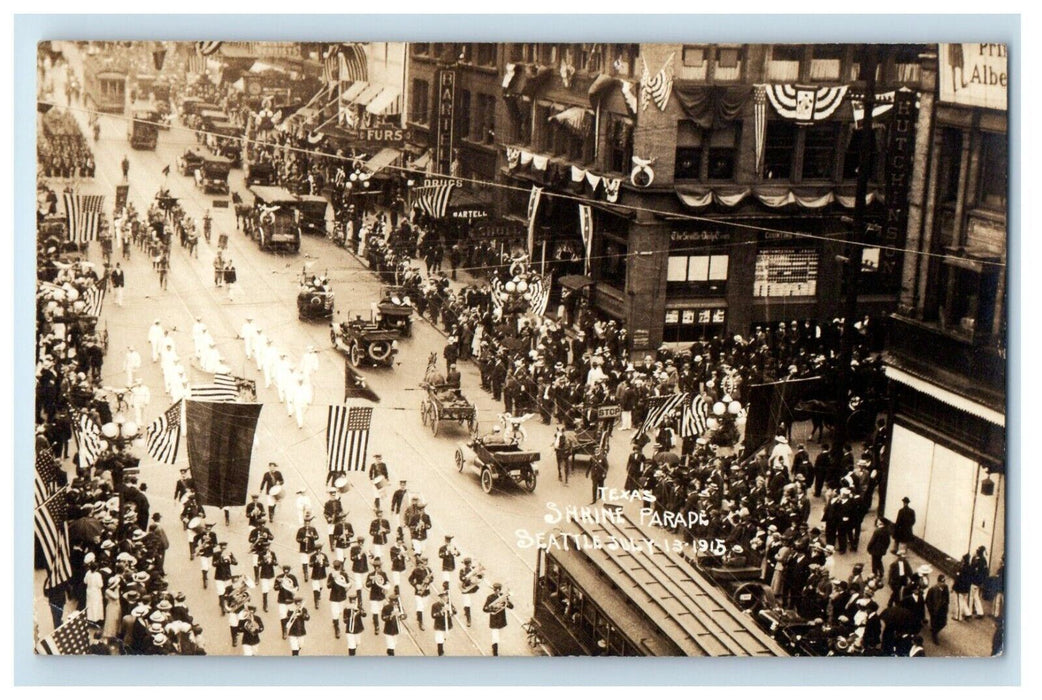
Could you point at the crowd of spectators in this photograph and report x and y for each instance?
(61, 148)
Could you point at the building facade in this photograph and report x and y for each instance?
(946, 357)
(688, 189)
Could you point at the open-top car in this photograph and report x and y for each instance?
(364, 342)
(394, 311)
(190, 161)
(212, 175)
(314, 298)
(498, 462)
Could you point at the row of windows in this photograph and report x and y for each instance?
(993, 176)
(475, 117)
(796, 62)
(618, 59)
(570, 604)
(483, 54)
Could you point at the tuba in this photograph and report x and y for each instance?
(500, 603)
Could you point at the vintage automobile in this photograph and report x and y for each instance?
(394, 311)
(275, 224)
(212, 174)
(312, 210)
(189, 162)
(314, 299)
(364, 342)
(143, 130)
(260, 174)
(224, 138)
(498, 463)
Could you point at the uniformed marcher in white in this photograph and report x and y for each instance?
(283, 376)
(379, 477)
(419, 526)
(223, 561)
(307, 540)
(304, 508)
(296, 625)
(198, 328)
(442, 613)
(211, 359)
(496, 605)
(287, 588)
(131, 364)
(339, 589)
(469, 580)
(309, 364)
(319, 569)
(392, 615)
(354, 624)
(260, 349)
(248, 333)
(421, 580)
(140, 397)
(271, 363)
(343, 536)
(448, 553)
(376, 585)
(155, 339)
(204, 544)
(299, 398)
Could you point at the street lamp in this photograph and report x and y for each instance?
(119, 434)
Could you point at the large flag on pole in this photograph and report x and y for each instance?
(223, 388)
(50, 523)
(88, 439)
(659, 408)
(347, 437)
(533, 209)
(71, 638)
(83, 215)
(163, 435)
(695, 418)
(220, 447)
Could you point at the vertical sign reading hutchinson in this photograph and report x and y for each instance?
(900, 156)
(446, 107)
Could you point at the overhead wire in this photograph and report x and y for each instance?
(671, 215)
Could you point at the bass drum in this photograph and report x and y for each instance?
(379, 350)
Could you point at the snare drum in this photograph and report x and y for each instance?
(276, 492)
(341, 484)
(195, 523)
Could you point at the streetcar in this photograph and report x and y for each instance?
(606, 586)
(143, 130)
(105, 85)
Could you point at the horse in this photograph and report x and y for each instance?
(821, 414)
(432, 376)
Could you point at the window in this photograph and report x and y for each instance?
(612, 261)
(420, 49)
(819, 152)
(591, 58)
(779, 150)
(686, 325)
(951, 156)
(786, 272)
(463, 115)
(994, 170)
(722, 150)
(542, 138)
(620, 144)
(694, 56)
(688, 163)
(785, 62)
(852, 155)
(486, 54)
(697, 274)
(728, 65)
(548, 54)
(486, 118)
(516, 52)
(623, 57)
(825, 61)
(907, 64)
(420, 112)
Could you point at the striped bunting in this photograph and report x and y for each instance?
(83, 216)
(540, 287)
(47, 467)
(223, 388)
(433, 200)
(52, 532)
(88, 439)
(71, 638)
(195, 63)
(656, 88)
(659, 408)
(694, 421)
(92, 299)
(353, 64)
(206, 48)
(347, 437)
(163, 435)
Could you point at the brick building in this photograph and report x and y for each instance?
(714, 204)
(946, 350)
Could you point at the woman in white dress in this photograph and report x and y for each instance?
(113, 612)
(95, 601)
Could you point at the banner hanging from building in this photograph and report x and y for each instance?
(899, 160)
(975, 75)
(444, 142)
(220, 447)
(586, 231)
(533, 209)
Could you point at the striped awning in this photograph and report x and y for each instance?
(944, 396)
(368, 94)
(385, 103)
(421, 162)
(433, 200)
(353, 91)
(381, 160)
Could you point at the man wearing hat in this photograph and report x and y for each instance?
(319, 568)
(330, 510)
(287, 588)
(496, 605)
(354, 623)
(155, 339)
(307, 540)
(397, 501)
(421, 579)
(899, 576)
(470, 577)
(271, 479)
(419, 526)
(296, 625)
(447, 553)
(255, 511)
(222, 571)
(185, 483)
(339, 588)
(266, 568)
(903, 524)
(248, 333)
(878, 544)
(203, 545)
(250, 627)
(343, 535)
(376, 584)
(391, 614)
(442, 613)
(938, 599)
(359, 561)
(379, 476)
(379, 529)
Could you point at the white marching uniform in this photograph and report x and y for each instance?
(302, 395)
(198, 329)
(271, 363)
(155, 339)
(303, 507)
(260, 349)
(249, 336)
(131, 364)
(283, 377)
(140, 397)
(309, 365)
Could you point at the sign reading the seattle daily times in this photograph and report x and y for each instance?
(974, 75)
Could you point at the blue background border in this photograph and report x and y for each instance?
(29, 670)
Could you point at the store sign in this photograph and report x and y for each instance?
(696, 316)
(699, 236)
(469, 214)
(608, 412)
(899, 160)
(444, 142)
(382, 136)
(974, 74)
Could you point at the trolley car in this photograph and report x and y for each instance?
(634, 599)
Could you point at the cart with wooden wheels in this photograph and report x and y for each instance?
(446, 402)
(498, 464)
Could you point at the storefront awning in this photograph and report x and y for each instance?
(464, 205)
(368, 94)
(943, 395)
(575, 281)
(385, 102)
(422, 162)
(353, 90)
(381, 160)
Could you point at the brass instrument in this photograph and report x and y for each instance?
(500, 603)
(341, 580)
(250, 623)
(474, 575)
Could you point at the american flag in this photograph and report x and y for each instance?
(353, 64)
(72, 637)
(347, 437)
(163, 435)
(223, 388)
(205, 48)
(88, 439)
(540, 288)
(694, 420)
(659, 408)
(195, 63)
(83, 214)
(47, 467)
(657, 88)
(433, 200)
(92, 299)
(52, 532)
(329, 67)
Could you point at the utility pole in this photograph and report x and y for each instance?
(854, 249)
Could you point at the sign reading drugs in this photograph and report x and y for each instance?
(974, 74)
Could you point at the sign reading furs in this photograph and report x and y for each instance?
(220, 445)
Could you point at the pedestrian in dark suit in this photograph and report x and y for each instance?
(878, 543)
(903, 524)
(937, 600)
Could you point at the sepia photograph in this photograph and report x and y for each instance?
(519, 349)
